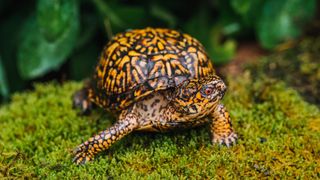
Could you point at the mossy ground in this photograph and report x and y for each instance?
(279, 137)
(298, 66)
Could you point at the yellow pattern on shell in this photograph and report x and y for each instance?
(141, 61)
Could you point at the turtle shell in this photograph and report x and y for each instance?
(138, 62)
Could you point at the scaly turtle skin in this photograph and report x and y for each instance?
(156, 80)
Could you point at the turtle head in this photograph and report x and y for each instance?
(197, 98)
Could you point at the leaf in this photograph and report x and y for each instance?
(109, 12)
(200, 19)
(9, 35)
(211, 37)
(121, 17)
(83, 62)
(53, 16)
(132, 16)
(283, 20)
(43, 49)
(91, 24)
(248, 10)
(4, 89)
(164, 15)
(222, 52)
(241, 6)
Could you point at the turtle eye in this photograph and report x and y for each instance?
(208, 90)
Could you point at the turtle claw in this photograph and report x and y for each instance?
(228, 141)
(81, 159)
(82, 155)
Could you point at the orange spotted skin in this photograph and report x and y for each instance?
(139, 62)
(156, 80)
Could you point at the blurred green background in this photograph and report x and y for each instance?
(43, 40)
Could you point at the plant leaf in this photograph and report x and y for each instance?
(222, 52)
(53, 16)
(210, 36)
(132, 16)
(122, 17)
(4, 89)
(164, 15)
(241, 6)
(249, 11)
(200, 19)
(109, 12)
(10, 30)
(82, 63)
(283, 20)
(45, 46)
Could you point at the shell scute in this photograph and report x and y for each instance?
(138, 62)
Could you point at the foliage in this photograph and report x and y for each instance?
(279, 138)
(49, 38)
(3, 81)
(280, 20)
(41, 36)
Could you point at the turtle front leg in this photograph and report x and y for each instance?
(87, 150)
(221, 127)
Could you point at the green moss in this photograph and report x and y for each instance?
(298, 66)
(279, 137)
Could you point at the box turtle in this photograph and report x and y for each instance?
(154, 80)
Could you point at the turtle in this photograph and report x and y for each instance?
(156, 80)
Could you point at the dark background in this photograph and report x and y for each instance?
(44, 40)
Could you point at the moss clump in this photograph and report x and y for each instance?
(279, 137)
